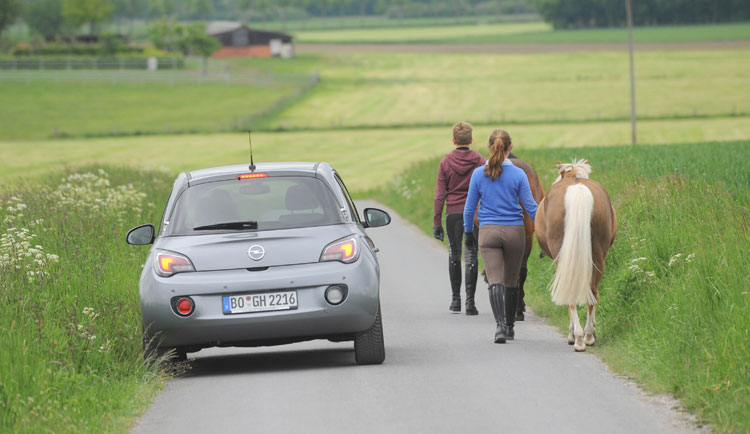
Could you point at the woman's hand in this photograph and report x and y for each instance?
(470, 241)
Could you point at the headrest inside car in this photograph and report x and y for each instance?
(299, 197)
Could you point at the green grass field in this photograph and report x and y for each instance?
(677, 323)
(44, 109)
(389, 89)
(452, 33)
(527, 32)
(386, 89)
(366, 158)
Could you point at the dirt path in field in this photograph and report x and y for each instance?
(517, 48)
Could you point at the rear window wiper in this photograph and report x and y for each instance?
(229, 225)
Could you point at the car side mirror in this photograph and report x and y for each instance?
(376, 217)
(141, 235)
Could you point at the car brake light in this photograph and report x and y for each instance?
(252, 176)
(170, 263)
(345, 250)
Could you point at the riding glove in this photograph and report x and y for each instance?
(437, 232)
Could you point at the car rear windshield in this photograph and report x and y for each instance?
(259, 204)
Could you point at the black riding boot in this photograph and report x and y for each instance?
(521, 305)
(454, 271)
(472, 272)
(511, 296)
(498, 309)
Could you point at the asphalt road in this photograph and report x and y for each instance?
(442, 374)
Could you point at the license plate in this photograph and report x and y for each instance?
(263, 302)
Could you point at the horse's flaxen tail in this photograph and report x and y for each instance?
(572, 282)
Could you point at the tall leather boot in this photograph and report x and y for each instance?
(511, 297)
(472, 272)
(521, 305)
(498, 309)
(454, 271)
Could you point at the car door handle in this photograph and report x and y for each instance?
(376, 250)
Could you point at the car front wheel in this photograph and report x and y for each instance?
(369, 347)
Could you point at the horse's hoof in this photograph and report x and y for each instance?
(589, 340)
(571, 339)
(579, 349)
(519, 316)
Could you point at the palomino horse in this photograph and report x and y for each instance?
(528, 227)
(576, 225)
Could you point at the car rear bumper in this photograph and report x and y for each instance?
(314, 317)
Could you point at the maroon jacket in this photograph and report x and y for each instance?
(452, 186)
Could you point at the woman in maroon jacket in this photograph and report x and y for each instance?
(454, 174)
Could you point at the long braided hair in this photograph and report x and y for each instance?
(499, 145)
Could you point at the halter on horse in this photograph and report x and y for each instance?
(576, 225)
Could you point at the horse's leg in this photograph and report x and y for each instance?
(589, 337)
(575, 329)
(596, 275)
(528, 228)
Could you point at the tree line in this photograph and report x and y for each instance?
(611, 13)
(50, 17)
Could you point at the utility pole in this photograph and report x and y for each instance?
(629, 11)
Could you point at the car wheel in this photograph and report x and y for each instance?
(369, 348)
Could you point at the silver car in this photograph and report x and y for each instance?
(262, 255)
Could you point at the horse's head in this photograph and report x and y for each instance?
(576, 169)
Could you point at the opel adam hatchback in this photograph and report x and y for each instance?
(268, 256)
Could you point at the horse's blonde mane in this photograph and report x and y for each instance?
(580, 168)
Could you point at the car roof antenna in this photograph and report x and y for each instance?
(250, 138)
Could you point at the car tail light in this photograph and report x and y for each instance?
(345, 250)
(252, 176)
(184, 306)
(170, 263)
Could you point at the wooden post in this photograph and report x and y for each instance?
(629, 11)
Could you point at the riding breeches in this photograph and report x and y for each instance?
(454, 226)
(502, 250)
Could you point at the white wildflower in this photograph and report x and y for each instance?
(690, 257)
(638, 259)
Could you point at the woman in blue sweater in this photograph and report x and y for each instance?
(497, 187)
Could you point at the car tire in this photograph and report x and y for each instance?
(369, 346)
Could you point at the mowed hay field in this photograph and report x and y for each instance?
(366, 158)
(409, 89)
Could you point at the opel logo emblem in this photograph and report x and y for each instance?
(256, 252)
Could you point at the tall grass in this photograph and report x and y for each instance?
(675, 306)
(69, 310)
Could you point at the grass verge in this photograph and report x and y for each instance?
(675, 307)
(69, 309)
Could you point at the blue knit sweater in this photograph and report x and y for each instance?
(499, 198)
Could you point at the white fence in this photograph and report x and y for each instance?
(95, 63)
